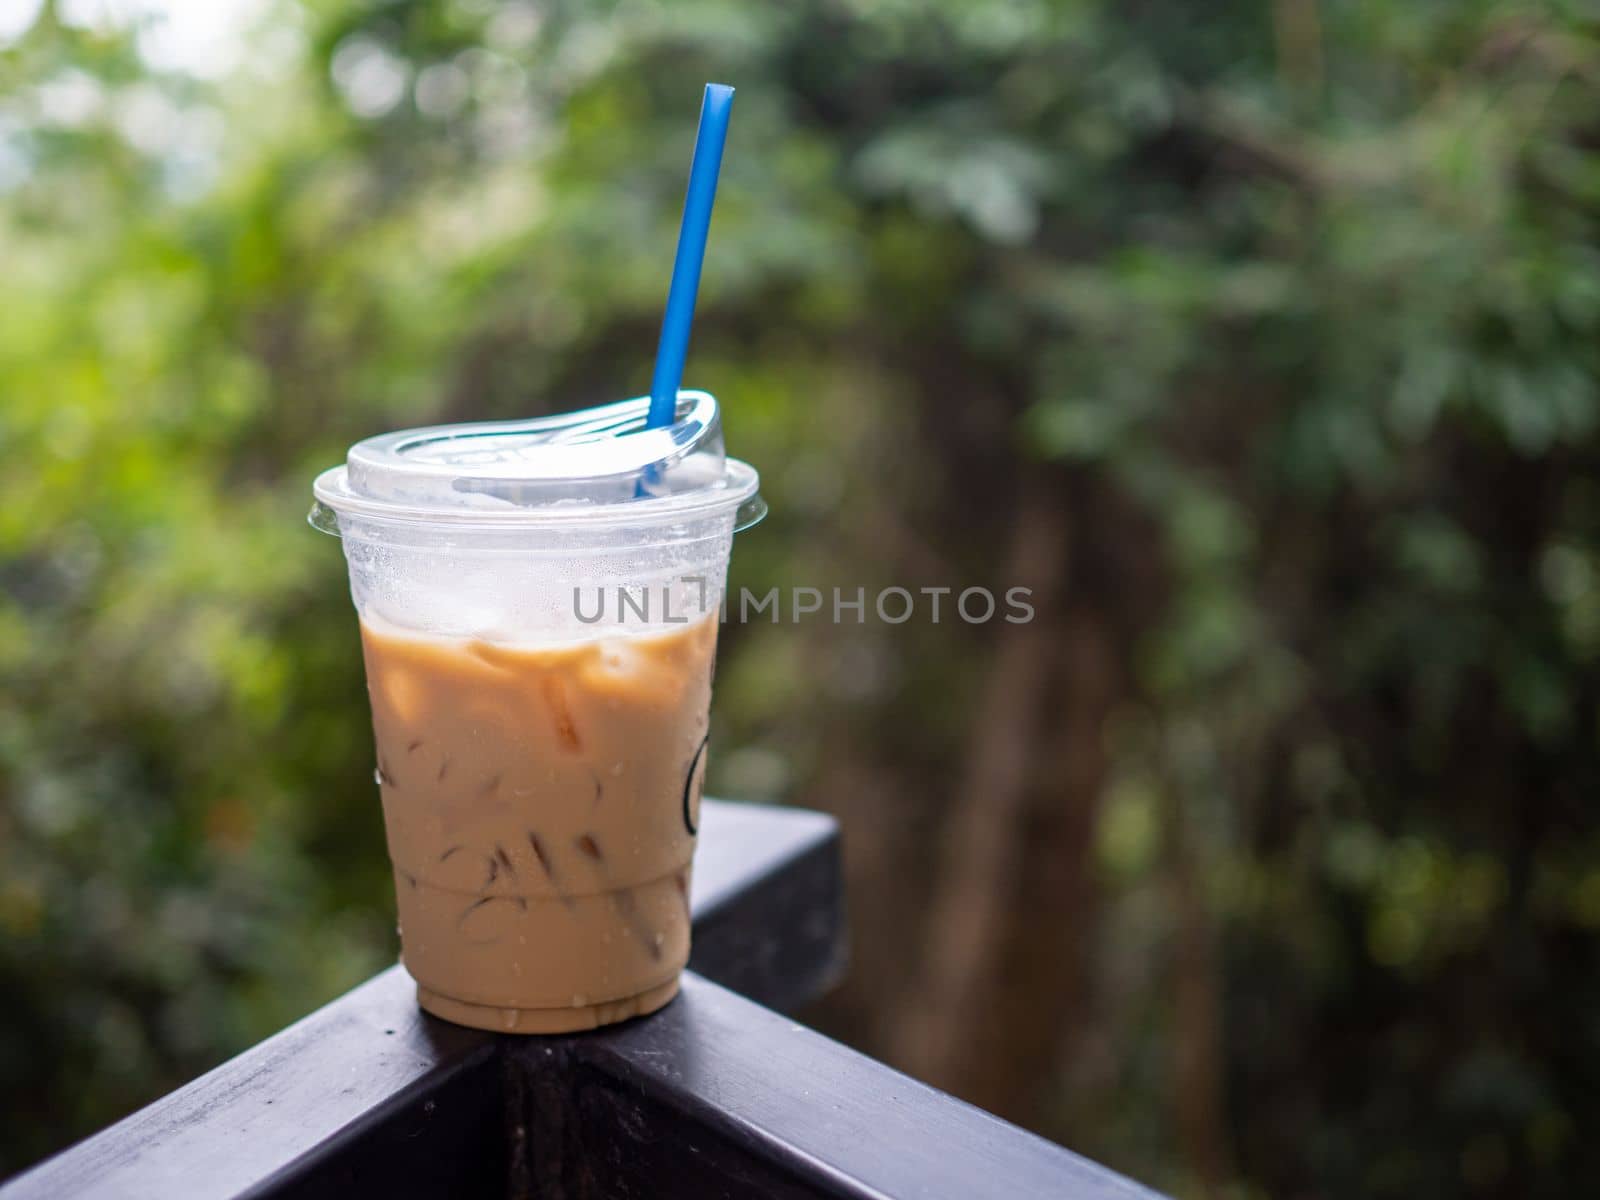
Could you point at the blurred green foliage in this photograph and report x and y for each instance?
(1306, 296)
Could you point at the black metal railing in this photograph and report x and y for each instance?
(716, 1095)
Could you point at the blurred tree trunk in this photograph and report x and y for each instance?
(1000, 980)
(1198, 1090)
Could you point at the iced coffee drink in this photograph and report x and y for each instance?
(538, 614)
(541, 805)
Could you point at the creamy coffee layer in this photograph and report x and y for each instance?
(540, 803)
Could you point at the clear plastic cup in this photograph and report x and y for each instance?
(539, 605)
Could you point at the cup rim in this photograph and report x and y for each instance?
(738, 489)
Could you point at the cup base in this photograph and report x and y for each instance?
(569, 1019)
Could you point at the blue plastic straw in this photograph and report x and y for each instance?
(679, 317)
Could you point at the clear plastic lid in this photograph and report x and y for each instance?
(595, 465)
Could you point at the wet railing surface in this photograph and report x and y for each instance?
(716, 1095)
